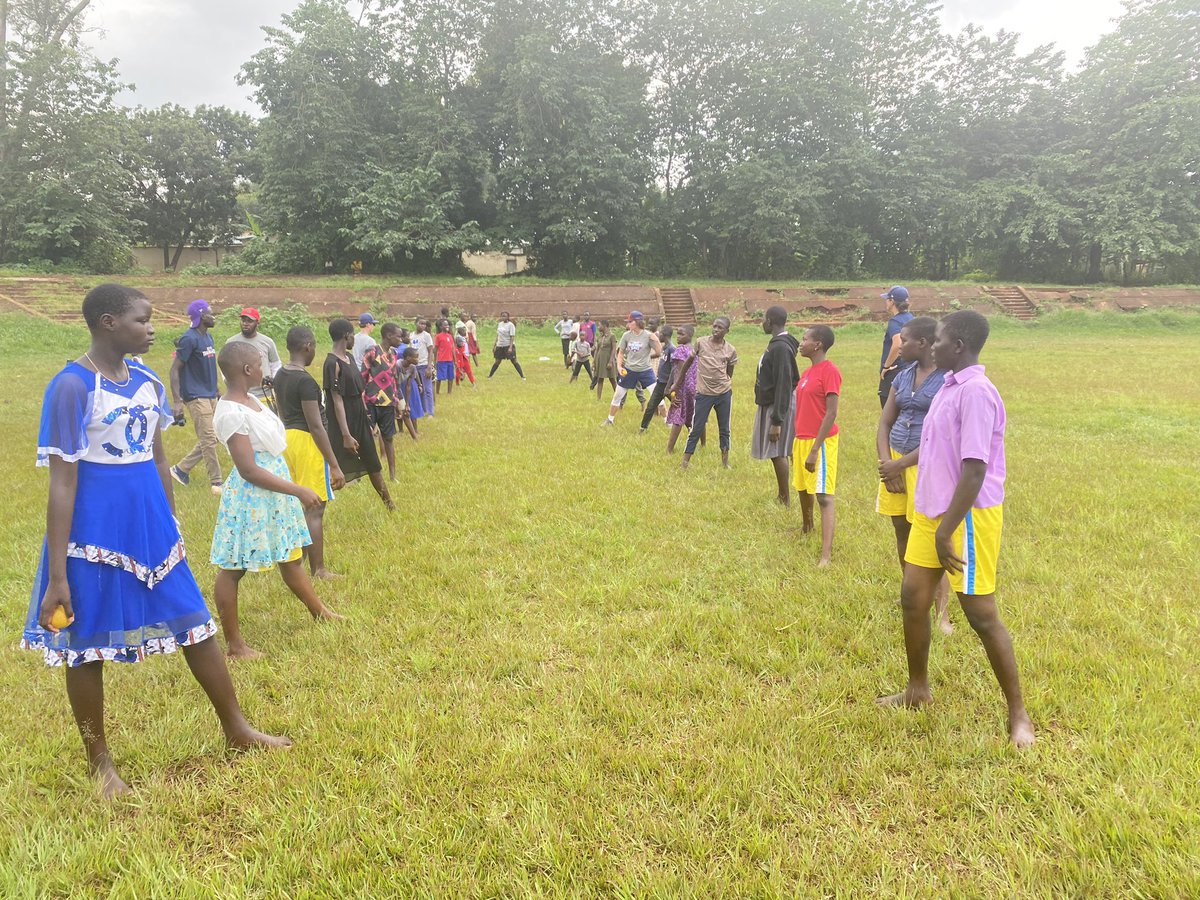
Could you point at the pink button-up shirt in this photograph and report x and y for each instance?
(965, 421)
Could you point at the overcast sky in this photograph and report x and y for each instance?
(189, 51)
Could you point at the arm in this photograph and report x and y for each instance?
(316, 428)
(176, 391)
(60, 510)
(242, 453)
(656, 346)
(893, 352)
(891, 471)
(831, 407)
(733, 361)
(679, 373)
(965, 492)
(784, 389)
(274, 363)
(339, 411)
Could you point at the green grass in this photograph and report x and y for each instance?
(571, 670)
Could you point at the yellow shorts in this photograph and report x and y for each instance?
(976, 543)
(824, 479)
(307, 465)
(889, 504)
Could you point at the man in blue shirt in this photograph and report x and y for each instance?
(194, 385)
(899, 316)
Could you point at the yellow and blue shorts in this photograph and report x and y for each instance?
(307, 465)
(976, 543)
(824, 479)
(889, 504)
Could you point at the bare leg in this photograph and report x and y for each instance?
(449, 387)
(209, 669)
(980, 610)
(389, 452)
(675, 429)
(226, 595)
(916, 597)
(314, 517)
(687, 458)
(782, 472)
(941, 605)
(85, 690)
(806, 512)
(298, 582)
(828, 518)
(381, 489)
(902, 527)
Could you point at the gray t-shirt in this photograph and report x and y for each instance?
(505, 333)
(362, 343)
(636, 348)
(268, 352)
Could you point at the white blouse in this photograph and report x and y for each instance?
(263, 427)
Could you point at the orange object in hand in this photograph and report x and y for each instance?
(58, 618)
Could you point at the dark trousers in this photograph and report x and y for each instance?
(660, 391)
(566, 344)
(706, 403)
(583, 364)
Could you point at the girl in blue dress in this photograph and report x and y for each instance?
(113, 583)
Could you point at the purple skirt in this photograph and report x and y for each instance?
(683, 408)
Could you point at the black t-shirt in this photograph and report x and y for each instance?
(292, 388)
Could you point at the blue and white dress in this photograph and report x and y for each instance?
(131, 589)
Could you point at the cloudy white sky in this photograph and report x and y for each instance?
(189, 51)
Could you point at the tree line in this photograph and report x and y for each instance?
(762, 139)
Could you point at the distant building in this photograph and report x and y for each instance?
(495, 262)
(151, 258)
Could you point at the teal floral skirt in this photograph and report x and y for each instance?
(257, 528)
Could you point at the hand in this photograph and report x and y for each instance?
(810, 462)
(773, 433)
(895, 485)
(307, 496)
(337, 479)
(177, 410)
(56, 595)
(944, 543)
(624, 372)
(889, 469)
(350, 443)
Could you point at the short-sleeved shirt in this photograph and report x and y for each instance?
(680, 355)
(261, 426)
(564, 327)
(444, 342)
(712, 366)
(267, 350)
(362, 343)
(913, 404)
(379, 374)
(665, 363)
(636, 347)
(582, 350)
(506, 332)
(423, 341)
(812, 390)
(587, 331)
(894, 326)
(198, 365)
(965, 421)
(292, 388)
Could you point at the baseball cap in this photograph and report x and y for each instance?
(635, 315)
(250, 313)
(898, 294)
(367, 319)
(196, 309)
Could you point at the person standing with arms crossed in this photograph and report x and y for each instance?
(194, 385)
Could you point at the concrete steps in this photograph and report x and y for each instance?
(677, 306)
(1014, 301)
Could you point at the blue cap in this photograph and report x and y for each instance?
(367, 319)
(898, 294)
(635, 315)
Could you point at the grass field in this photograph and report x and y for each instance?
(569, 669)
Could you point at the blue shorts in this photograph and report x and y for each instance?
(445, 371)
(631, 379)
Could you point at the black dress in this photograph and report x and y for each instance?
(344, 380)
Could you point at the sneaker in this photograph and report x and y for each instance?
(180, 476)
(217, 488)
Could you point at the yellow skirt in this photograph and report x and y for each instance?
(307, 465)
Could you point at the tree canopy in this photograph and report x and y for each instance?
(668, 138)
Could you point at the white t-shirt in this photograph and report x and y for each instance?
(263, 427)
(505, 333)
(423, 341)
(269, 353)
(564, 327)
(470, 326)
(362, 343)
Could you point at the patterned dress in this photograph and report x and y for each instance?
(683, 407)
(132, 591)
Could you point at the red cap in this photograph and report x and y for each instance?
(250, 313)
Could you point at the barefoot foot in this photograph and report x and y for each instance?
(325, 614)
(110, 783)
(823, 562)
(242, 651)
(946, 627)
(909, 698)
(326, 574)
(1020, 731)
(249, 739)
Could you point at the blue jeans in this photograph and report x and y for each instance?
(705, 403)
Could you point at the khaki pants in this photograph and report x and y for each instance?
(201, 411)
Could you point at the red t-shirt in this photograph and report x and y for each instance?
(444, 342)
(816, 383)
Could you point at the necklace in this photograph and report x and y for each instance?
(113, 381)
